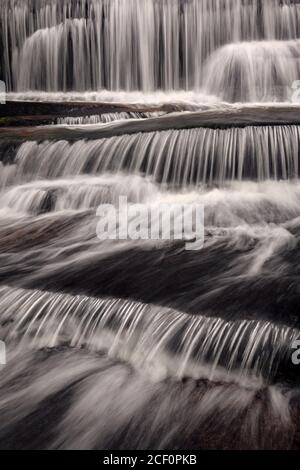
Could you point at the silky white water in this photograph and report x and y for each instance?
(141, 343)
(179, 158)
(148, 45)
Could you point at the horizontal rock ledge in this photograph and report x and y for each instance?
(215, 118)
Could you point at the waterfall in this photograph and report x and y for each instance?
(253, 71)
(145, 333)
(141, 343)
(134, 44)
(179, 158)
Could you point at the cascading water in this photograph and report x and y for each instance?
(178, 158)
(262, 71)
(142, 344)
(104, 118)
